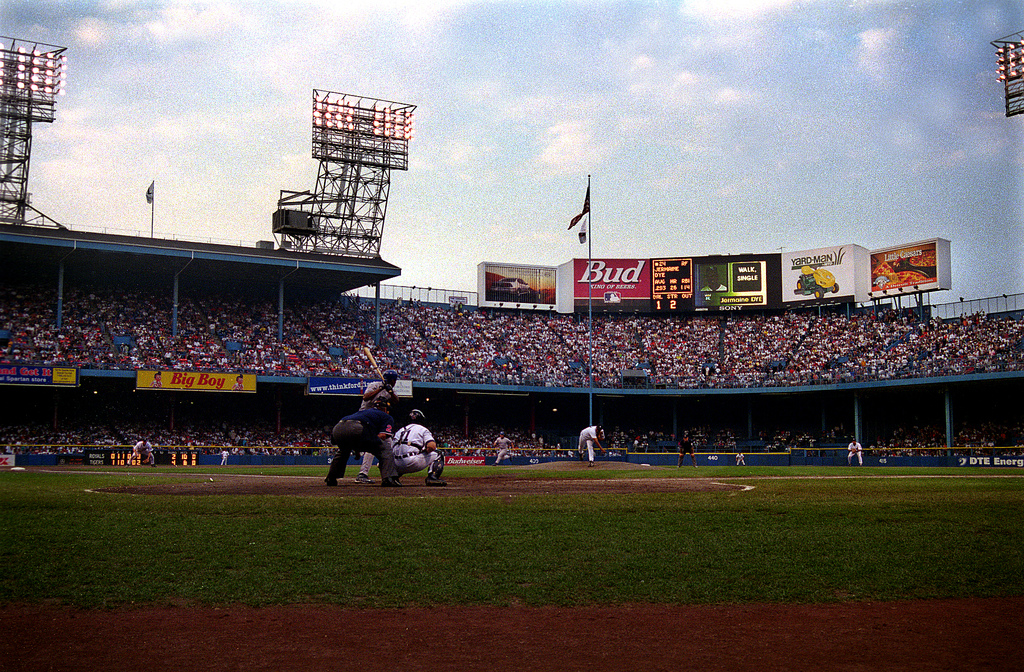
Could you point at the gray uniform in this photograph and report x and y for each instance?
(374, 391)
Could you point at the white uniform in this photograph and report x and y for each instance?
(224, 457)
(588, 437)
(407, 448)
(143, 453)
(855, 449)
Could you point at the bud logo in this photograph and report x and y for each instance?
(600, 271)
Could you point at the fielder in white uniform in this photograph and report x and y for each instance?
(855, 449)
(588, 438)
(379, 389)
(414, 449)
(504, 446)
(142, 453)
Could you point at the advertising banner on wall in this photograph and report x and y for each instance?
(515, 286)
(43, 376)
(825, 275)
(195, 380)
(615, 285)
(324, 385)
(917, 267)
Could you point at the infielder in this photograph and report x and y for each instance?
(504, 446)
(590, 437)
(854, 449)
(143, 452)
(415, 450)
(686, 447)
(366, 431)
(383, 390)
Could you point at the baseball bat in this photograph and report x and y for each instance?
(373, 362)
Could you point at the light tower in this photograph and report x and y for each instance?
(1010, 58)
(32, 76)
(358, 141)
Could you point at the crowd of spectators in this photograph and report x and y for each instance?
(136, 329)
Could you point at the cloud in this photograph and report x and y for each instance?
(724, 10)
(874, 53)
(571, 146)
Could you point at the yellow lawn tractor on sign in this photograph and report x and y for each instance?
(816, 281)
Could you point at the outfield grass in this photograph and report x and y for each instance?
(787, 540)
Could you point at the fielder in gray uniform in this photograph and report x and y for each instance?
(383, 390)
(414, 450)
(503, 445)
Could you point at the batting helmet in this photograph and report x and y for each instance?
(390, 377)
(416, 415)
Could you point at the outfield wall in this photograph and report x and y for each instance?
(998, 457)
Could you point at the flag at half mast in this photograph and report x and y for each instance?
(583, 217)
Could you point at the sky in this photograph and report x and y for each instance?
(703, 126)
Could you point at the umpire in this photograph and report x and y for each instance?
(368, 430)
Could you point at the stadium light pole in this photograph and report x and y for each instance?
(32, 77)
(358, 142)
(1010, 69)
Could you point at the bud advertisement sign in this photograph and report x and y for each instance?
(825, 275)
(918, 266)
(614, 285)
(195, 380)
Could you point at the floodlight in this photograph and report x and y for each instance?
(1010, 70)
(32, 76)
(358, 142)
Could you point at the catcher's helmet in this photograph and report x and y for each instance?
(390, 377)
(416, 415)
(380, 403)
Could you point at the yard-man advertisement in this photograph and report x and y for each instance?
(918, 266)
(826, 275)
(43, 376)
(195, 380)
(515, 285)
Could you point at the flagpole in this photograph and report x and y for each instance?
(590, 304)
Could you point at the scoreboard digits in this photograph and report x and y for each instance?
(672, 284)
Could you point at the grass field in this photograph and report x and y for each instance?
(792, 538)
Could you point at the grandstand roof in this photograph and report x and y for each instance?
(28, 252)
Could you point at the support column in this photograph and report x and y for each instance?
(950, 437)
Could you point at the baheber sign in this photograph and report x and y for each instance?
(614, 282)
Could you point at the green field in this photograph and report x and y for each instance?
(787, 540)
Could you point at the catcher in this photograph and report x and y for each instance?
(415, 450)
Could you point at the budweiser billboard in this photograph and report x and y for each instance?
(613, 285)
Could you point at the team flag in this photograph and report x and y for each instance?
(583, 217)
(149, 192)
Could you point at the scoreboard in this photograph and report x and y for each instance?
(123, 458)
(716, 283)
(671, 284)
